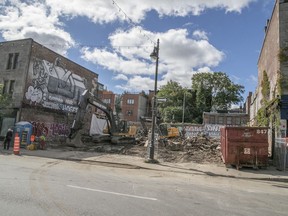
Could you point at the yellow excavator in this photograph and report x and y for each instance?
(165, 130)
(116, 134)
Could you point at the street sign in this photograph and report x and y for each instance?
(161, 99)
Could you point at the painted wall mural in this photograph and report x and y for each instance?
(211, 130)
(52, 131)
(53, 86)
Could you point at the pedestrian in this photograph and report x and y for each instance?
(8, 138)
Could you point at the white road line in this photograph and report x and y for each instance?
(114, 193)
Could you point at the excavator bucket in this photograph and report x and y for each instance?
(74, 141)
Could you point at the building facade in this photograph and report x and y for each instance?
(272, 65)
(226, 118)
(269, 103)
(133, 105)
(45, 87)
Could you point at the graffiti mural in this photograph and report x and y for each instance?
(50, 129)
(211, 130)
(53, 86)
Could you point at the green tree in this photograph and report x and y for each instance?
(262, 117)
(216, 91)
(4, 101)
(265, 90)
(170, 110)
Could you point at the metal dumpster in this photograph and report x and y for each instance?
(244, 146)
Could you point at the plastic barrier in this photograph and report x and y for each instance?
(16, 149)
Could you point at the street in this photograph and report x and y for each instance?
(40, 186)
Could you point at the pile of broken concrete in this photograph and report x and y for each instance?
(200, 149)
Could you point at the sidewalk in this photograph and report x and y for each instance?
(126, 161)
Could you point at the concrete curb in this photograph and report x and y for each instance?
(105, 160)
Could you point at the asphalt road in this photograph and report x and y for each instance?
(40, 186)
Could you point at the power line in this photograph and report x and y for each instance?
(132, 23)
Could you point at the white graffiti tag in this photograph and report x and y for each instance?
(34, 94)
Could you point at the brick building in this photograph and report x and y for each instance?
(45, 87)
(109, 98)
(133, 105)
(275, 44)
(270, 100)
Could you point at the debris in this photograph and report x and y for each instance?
(201, 149)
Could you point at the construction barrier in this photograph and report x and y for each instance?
(16, 149)
(281, 154)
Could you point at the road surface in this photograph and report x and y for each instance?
(40, 186)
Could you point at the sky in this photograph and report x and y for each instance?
(114, 38)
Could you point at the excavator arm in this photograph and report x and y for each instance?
(86, 99)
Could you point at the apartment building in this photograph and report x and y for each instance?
(45, 87)
(133, 105)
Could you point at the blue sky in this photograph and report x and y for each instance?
(114, 38)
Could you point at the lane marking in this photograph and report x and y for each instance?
(114, 193)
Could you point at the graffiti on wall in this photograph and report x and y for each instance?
(211, 130)
(53, 86)
(50, 129)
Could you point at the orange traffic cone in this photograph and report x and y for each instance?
(16, 144)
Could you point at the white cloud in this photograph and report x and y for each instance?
(107, 11)
(137, 83)
(120, 77)
(21, 20)
(179, 57)
(115, 61)
(40, 19)
(198, 34)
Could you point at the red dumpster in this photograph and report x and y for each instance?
(244, 146)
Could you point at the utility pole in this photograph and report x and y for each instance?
(154, 55)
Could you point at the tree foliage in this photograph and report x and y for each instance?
(172, 110)
(4, 98)
(265, 88)
(4, 101)
(216, 91)
(262, 118)
(209, 91)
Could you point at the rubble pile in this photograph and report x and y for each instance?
(200, 149)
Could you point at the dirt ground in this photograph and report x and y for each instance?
(199, 149)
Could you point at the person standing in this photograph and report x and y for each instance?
(8, 139)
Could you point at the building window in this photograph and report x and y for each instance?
(237, 121)
(212, 120)
(220, 120)
(107, 100)
(6, 85)
(11, 87)
(229, 120)
(130, 101)
(12, 61)
(15, 60)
